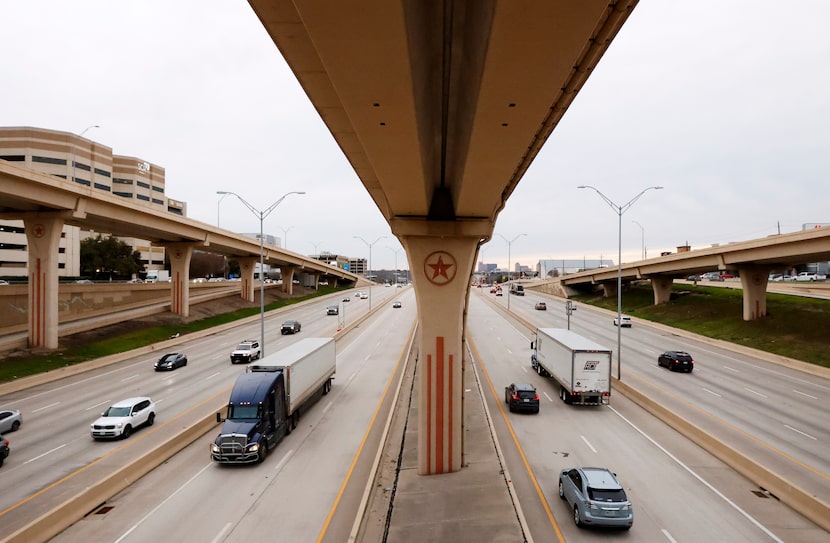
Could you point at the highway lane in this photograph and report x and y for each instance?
(780, 413)
(679, 492)
(54, 441)
(290, 495)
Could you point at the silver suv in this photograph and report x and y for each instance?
(246, 351)
(121, 418)
(596, 497)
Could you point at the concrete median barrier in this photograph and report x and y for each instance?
(799, 500)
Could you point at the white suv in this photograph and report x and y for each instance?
(121, 418)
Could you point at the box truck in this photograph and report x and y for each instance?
(580, 366)
(157, 276)
(267, 399)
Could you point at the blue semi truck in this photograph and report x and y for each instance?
(267, 399)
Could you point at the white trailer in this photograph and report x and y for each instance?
(308, 366)
(580, 366)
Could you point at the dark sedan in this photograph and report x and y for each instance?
(291, 327)
(171, 361)
(676, 361)
(521, 397)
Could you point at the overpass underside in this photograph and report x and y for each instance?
(440, 107)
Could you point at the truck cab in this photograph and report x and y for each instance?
(256, 420)
(517, 289)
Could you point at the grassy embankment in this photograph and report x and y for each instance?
(16, 367)
(795, 326)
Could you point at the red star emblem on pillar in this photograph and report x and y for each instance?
(440, 268)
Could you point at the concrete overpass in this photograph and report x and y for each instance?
(441, 107)
(46, 203)
(753, 259)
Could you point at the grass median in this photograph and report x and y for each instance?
(795, 326)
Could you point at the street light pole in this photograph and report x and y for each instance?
(369, 271)
(315, 245)
(643, 237)
(87, 129)
(619, 209)
(261, 215)
(396, 251)
(509, 243)
(285, 232)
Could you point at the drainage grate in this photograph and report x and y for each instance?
(760, 494)
(104, 510)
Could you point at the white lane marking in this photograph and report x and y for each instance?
(351, 378)
(96, 405)
(44, 454)
(588, 443)
(711, 392)
(221, 535)
(128, 378)
(45, 407)
(327, 407)
(699, 478)
(212, 375)
(159, 506)
(283, 460)
(800, 432)
(733, 370)
(668, 536)
(756, 392)
(509, 351)
(546, 396)
(805, 394)
(524, 369)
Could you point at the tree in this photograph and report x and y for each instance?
(108, 256)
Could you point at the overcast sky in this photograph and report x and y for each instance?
(725, 103)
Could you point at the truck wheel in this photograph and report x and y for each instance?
(295, 418)
(288, 426)
(263, 451)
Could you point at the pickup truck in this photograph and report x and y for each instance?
(810, 276)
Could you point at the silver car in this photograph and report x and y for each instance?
(10, 420)
(596, 497)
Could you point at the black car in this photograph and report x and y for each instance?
(521, 397)
(332, 310)
(541, 306)
(290, 327)
(171, 361)
(676, 361)
(4, 449)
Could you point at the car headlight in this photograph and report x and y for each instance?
(119, 425)
(253, 447)
(214, 448)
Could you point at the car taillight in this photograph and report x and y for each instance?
(516, 396)
(536, 398)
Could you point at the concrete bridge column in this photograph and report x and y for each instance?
(180, 254)
(247, 266)
(754, 283)
(441, 270)
(43, 234)
(287, 273)
(661, 286)
(609, 289)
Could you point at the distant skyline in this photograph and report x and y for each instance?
(722, 103)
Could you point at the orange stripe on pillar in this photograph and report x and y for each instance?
(439, 405)
(429, 414)
(450, 437)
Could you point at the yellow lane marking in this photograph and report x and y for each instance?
(516, 442)
(362, 443)
(131, 442)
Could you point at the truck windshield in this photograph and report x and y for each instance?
(237, 412)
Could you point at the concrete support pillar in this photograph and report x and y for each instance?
(609, 289)
(754, 283)
(661, 285)
(441, 270)
(43, 234)
(180, 254)
(287, 273)
(247, 266)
